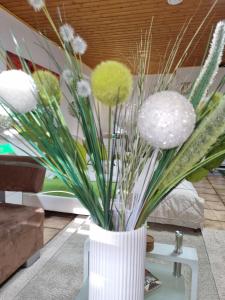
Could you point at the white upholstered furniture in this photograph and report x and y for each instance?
(182, 207)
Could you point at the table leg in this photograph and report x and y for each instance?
(2, 197)
(194, 282)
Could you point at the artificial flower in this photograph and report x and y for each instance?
(83, 88)
(18, 90)
(5, 123)
(111, 82)
(48, 86)
(67, 33)
(5, 120)
(79, 45)
(166, 119)
(37, 4)
(68, 76)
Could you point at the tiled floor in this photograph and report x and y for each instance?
(54, 222)
(212, 189)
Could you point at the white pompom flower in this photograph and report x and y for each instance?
(79, 45)
(166, 119)
(83, 88)
(18, 90)
(5, 120)
(68, 76)
(5, 123)
(37, 4)
(67, 33)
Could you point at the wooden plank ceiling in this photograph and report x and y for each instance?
(112, 28)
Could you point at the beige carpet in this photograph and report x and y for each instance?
(58, 274)
(215, 244)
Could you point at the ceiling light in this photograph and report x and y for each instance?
(174, 2)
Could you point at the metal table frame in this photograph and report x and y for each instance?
(163, 252)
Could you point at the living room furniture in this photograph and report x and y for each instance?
(21, 173)
(172, 287)
(21, 227)
(182, 207)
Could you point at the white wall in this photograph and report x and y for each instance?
(189, 74)
(28, 40)
(186, 76)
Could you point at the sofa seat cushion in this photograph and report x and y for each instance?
(182, 207)
(21, 235)
(20, 173)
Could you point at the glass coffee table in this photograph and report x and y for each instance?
(172, 287)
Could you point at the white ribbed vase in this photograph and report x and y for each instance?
(117, 264)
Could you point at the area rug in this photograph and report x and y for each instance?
(58, 274)
(215, 244)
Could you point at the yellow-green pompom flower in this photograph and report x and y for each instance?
(111, 82)
(48, 86)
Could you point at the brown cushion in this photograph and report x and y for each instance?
(21, 235)
(21, 173)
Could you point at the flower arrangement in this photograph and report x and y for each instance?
(154, 141)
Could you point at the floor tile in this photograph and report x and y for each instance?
(220, 191)
(220, 215)
(215, 179)
(222, 197)
(206, 190)
(214, 205)
(209, 197)
(214, 224)
(218, 186)
(57, 221)
(202, 185)
(210, 214)
(49, 233)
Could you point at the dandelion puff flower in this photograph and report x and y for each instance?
(67, 33)
(83, 88)
(79, 45)
(68, 76)
(18, 90)
(111, 82)
(37, 4)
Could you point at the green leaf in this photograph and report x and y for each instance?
(211, 66)
(199, 144)
(202, 172)
(197, 175)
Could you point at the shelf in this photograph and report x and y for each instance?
(172, 287)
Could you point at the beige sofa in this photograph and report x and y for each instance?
(182, 207)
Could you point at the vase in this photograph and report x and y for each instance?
(117, 264)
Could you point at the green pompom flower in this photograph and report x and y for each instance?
(48, 86)
(111, 82)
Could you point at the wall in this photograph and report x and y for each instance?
(29, 40)
(190, 74)
(186, 76)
